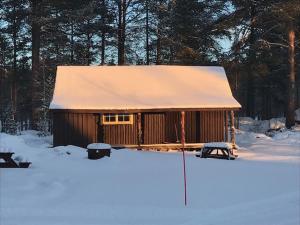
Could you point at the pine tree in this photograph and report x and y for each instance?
(257, 27)
(36, 7)
(14, 14)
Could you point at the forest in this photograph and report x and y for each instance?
(257, 42)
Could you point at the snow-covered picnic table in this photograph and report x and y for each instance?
(98, 150)
(211, 150)
(6, 161)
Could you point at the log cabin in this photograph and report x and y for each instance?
(144, 107)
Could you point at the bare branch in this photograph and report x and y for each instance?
(269, 44)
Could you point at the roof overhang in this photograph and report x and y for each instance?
(96, 111)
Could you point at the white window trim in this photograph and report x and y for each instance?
(117, 122)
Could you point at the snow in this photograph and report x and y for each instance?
(218, 144)
(141, 87)
(132, 187)
(261, 126)
(98, 146)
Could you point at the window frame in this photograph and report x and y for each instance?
(116, 122)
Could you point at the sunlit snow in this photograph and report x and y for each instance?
(260, 187)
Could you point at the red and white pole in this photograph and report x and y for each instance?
(183, 154)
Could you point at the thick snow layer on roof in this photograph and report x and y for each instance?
(141, 87)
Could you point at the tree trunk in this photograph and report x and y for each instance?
(119, 30)
(147, 33)
(122, 7)
(159, 38)
(290, 116)
(72, 43)
(103, 34)
(250, 89)
(35, 35)
(158, 47)
(14, 75)
(88, 53)
(103, 48)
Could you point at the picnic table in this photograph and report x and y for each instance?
(219, 150)
(9, 162)
(98, 150)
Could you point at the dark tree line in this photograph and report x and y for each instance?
(261, 56)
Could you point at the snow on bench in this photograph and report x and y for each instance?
(218, 145)
(98, 150)
(99, 146)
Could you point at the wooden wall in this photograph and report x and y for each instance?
(153, 126)
(83, 128)
(173, 127)
(173, 130)
(212, 126)
(192, 127)
(77, 129)
(123, 134)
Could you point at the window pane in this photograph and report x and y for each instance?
(126, 118)
(112, 118)
(121, 117)
(106, 118)
(109, 117)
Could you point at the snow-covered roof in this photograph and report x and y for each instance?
(141, 87)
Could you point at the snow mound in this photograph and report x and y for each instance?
(71, 150)
(261, 126)
(292, 136)
(245, 137)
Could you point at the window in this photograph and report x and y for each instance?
(109, 118)
(112, 118)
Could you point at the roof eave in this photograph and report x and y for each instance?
(145, 110)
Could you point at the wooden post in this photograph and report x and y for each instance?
(139, 129)
(226, 126)
(183, 154)
(232, 129)
(183, 129)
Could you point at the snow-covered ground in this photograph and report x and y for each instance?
(261, 187)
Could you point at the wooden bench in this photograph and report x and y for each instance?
(219, 150)
(98, 150)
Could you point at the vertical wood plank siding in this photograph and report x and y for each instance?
(172, 127)
(83, 128)
(226, 127)
(191, 127)
(120, 134)
(74, 129)
(153, 128)
(212, 126)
